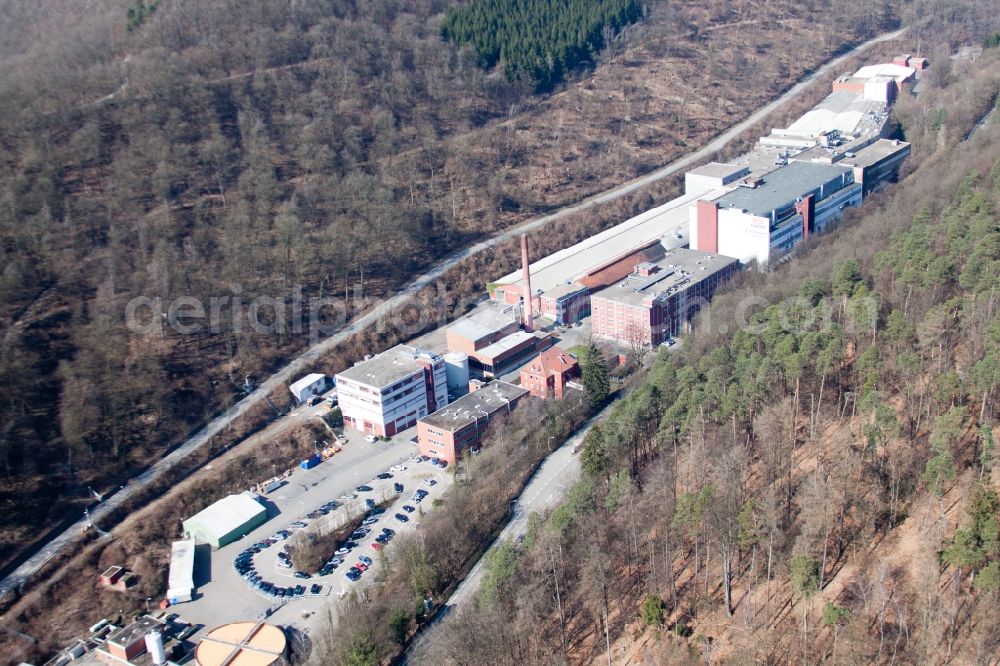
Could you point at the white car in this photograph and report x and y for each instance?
(371, 439)
(398, 468)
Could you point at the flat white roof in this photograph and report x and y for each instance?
(571, 263)
(505, 344)
(227, 514)
(180, 582)
(897, 72)
(300, 385)
(389, 367)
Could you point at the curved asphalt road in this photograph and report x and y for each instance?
(312, 355)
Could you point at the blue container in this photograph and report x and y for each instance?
(311, 461)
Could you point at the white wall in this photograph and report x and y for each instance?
(743, 236)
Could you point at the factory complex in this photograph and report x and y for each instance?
(795, 183)
(640, 283)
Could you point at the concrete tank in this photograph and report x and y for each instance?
(456, 365)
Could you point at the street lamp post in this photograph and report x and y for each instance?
(148, 599)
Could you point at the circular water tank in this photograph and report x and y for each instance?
(242, 644)
(456, 365)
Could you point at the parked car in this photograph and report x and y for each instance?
(384, 475)
(398, 487)
(432, 482)
(364, 489)
(299, 524)
(382, 539)
(401, 517)
(302, 574)
(366, 560)
(300, 590)
(352, 575)
(442, 464)
(377, 545)
(284, 564)
(371, 520)
(361, 566)
(316, 588)
(422, 492)
(388, 530)
(415, 458)
(315, 400)
(371, 439)
(343, 550)
(398, 468)
(325, 570)
(408, 509)
(335, 562)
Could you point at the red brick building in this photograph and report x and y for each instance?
(546, 375)
(448, 433)
(653, 303)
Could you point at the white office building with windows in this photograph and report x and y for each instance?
(388, 393)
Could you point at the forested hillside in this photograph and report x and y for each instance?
(812, 477)
(538, 39)
(232, 150)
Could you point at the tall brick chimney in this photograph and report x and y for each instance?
(806, 208)
(528, 314)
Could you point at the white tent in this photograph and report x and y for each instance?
(227, 520)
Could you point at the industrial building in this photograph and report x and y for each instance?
(561, 283)
(448, 433)
(771, 215)
(180, 581)
(243, 644)
(487, 326)
(388, 393)
(875, 164)
(226, 520)
(308, 386)
(547, 375)
(138, 643)
(653, 303)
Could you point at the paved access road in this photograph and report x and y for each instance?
(558, 472)
(306, 361)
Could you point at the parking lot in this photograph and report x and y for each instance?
(224, 595)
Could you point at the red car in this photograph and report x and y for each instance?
(376, 545)
(361, 566)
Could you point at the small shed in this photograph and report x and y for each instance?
(308, 386)
(112, 575)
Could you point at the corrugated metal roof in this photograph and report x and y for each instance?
(570, 264)
(227, 514)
